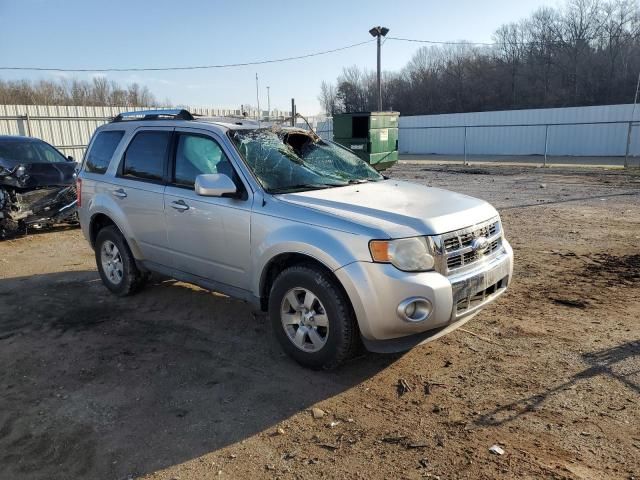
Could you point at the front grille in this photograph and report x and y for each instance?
(457, 247)
(456, 261)
(464, 238)
(68, 195)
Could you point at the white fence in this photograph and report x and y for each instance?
(576, 131)
(579, 131)
(69, 128)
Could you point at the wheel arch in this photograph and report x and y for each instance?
(100, 220)
(281, 262)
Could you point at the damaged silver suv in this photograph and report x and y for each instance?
(299, 226)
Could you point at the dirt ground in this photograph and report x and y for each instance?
(180, 383)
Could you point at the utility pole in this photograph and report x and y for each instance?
(268, 104)
(379, 32)
(635, 101)
(258, 97)
(293, 112)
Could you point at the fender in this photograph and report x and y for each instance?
(327, 246)
(102, 203)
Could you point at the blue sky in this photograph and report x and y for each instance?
(129, 33)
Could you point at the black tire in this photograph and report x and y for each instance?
(132, 279)
(342, 335)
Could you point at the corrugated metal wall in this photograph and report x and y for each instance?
(69, 128)
(515, 132)
(522, 132)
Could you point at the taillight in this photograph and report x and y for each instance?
(79, 191)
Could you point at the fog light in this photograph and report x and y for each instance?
(414, 309)
(410, 309)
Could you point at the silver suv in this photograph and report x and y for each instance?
(298, 226)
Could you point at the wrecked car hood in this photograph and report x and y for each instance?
(401, 209)
(37, 174)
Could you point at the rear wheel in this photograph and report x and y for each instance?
(116, 265)
(312, 317)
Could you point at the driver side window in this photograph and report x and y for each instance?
(197, 155)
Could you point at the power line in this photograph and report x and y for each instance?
(193, 67)
(435, 42)
(278, 60)
(493, 44)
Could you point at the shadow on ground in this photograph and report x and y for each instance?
(618, 363)
(94, 386)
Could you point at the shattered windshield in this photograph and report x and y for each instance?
(289, 160)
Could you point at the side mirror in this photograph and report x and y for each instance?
(215, 185)
(70, 158)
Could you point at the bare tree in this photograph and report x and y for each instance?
(328, 99)
(99, 92)
(586, 52)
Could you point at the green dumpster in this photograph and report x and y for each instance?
(373, 136)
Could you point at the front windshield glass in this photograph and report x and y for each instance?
(291, 160)
(30, 152)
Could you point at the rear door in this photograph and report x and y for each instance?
(208, 236)
(139, 190)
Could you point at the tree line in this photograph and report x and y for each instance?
(586, 52)
(97, 92)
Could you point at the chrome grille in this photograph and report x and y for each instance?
(456, 250)
(462, 240)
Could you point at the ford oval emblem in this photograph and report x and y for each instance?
(480, 245)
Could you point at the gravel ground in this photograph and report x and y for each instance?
(180, 383)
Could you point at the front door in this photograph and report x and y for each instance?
(208, 236)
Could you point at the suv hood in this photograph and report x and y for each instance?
(400, 209)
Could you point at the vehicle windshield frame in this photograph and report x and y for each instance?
(372, 174)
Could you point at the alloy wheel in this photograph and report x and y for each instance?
(304, 320)
(111, 262)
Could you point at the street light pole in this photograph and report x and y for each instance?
(379, 32)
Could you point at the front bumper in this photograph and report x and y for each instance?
(375, 290)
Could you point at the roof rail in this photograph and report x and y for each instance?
(166, 114)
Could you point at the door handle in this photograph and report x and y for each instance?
(180, 205)
(120, 193)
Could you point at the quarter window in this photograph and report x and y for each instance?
(197, 155)
(145, 155)
(102, 150)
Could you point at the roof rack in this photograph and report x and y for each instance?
(166, 114)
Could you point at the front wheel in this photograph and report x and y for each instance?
(312, 317)
(115, 262)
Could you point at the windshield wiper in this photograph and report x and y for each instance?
(303, 187)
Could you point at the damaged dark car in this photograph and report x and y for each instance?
(37, 186)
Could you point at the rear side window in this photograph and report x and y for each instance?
(146, 155)
(102, 150)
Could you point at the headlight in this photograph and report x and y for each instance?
(406, 254)
(20, 171)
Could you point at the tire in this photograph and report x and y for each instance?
(317, 346)
(122, 277)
